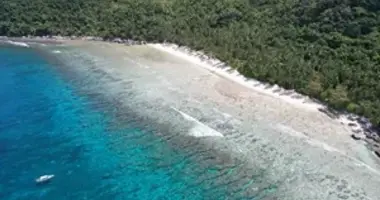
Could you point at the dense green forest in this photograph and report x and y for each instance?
(328, 49)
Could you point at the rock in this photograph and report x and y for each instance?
(356, 136)
(373, 136)
(369, 136)
(377, 153)
(117, 40)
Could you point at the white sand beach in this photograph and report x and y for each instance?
(220, 68)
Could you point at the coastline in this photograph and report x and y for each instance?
(360, 127)
(298, 148)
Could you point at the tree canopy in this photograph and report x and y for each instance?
(328, 49)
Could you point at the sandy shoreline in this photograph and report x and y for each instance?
(361, 128)
(356, 123)
(286, 130)
(228, 72)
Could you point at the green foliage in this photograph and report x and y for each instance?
(328, 49)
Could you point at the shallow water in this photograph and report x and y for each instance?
(49, 124)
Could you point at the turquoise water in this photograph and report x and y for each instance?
(47, 127)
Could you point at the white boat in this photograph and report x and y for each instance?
(44, 178)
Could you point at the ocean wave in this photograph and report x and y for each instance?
(200, 129)
(21, 44)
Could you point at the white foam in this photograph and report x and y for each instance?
(57, 51)
(21, 44)
(199, 129)
(322, 145)
(228, 72)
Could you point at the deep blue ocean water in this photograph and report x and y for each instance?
(47, 127)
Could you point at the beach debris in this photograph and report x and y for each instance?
(44, 179)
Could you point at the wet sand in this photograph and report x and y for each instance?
(306, 153)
